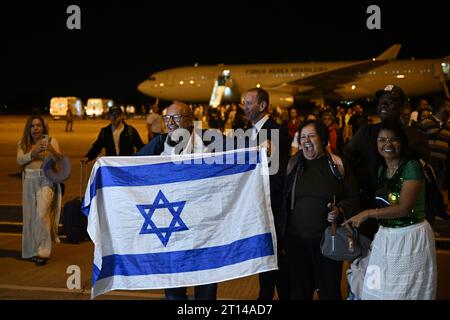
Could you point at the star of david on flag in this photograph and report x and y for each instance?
(161, 202)
(176, 221)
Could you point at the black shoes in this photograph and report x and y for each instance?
(40, 261)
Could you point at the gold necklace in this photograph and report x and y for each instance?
(392, 172)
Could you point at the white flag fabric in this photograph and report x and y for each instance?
(173, 221)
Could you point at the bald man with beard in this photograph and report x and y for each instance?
(180, 116)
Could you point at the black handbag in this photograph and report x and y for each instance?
(340, 243)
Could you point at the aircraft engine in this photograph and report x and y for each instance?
(281, 99)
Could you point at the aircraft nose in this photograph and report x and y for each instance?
(146, 87)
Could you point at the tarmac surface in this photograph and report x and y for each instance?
(20, 279)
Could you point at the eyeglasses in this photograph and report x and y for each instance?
(175, 117)
(387, 140)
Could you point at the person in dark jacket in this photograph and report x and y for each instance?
(270, 134)
(319, 189)
(118, 138)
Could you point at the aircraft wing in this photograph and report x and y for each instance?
(333, 79)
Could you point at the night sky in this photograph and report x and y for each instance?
(121, 42)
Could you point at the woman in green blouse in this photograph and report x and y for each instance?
(403, 259)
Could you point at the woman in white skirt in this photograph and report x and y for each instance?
(41, 198)
(402, 263)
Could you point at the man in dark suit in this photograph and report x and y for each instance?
(270, 134)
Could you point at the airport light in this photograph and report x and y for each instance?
(400, 76)
(181, 82)
(353, 87)
(161, 84)
(258, 85)
(191, 82)
(290, 99)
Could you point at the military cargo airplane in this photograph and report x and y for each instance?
(314, 81)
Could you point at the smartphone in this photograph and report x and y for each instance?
(44, 139)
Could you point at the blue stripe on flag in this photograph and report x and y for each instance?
(95, 274)
(188, 260)
(155, 174)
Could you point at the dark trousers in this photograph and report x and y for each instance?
(309, 270)
(204, 292)
(447, 171)
(270, 280)
(69, 125)
(440, 170)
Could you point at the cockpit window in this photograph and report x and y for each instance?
(151, 78)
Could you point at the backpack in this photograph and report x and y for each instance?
(434, 201)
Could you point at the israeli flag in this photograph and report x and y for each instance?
(174, 221)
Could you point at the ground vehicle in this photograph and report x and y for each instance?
(130, 111)
(97, 107)
(59, 105)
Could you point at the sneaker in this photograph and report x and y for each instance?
(40, 261)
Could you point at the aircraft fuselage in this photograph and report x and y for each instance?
(194, 84)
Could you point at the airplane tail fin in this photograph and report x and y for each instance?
(391, 53)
